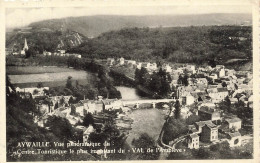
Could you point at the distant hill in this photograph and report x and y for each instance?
(196, 44)
(92, 26)
(43, 39)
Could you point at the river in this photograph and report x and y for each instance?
(148, 121)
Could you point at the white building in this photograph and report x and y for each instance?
(121, 61)
(86, 133)
(222, 73)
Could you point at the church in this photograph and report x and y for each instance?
(25, 48)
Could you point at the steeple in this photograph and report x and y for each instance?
(25, 45)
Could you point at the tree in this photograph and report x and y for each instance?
(212, 63)
(111, 134)
(61, 127)
(36, 91)
(144, 76)
(177, 110)
(56, 106)
(39, 85)
(88, 119)
(137, 75)
(71, 101)
(174, 129)
(145, 142)
(69, 83)
(224, 84)
(192, 119)
(77, 84)
(185, 80)
(104, 92)
(243, 112)
(225, 105)
(180, 79)
(62, 101)
(30, 52)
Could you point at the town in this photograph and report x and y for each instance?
(217, 102)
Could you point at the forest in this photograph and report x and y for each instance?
(192, 44)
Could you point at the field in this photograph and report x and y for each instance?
(19, 70)
(49, 76)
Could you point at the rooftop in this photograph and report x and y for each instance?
(235, 134)
(232, 120)
(208, 123)
(193, 136)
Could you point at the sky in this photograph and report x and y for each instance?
(18, 17)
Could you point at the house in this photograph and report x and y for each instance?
(209, 133)
(62, 51)
(234, 139)
(192, 129)
(45, 53)
(25, 95)
(139, 65)
(188, 99)
(191, 68)
(234, 123)
(207, 104)
(233, 100)
(203, 81)
(43, 105)
(217, 94)
(207, 113)
(201, 96)
(110, 61)
(130, 62)
(213, 76)
(174, 83)
(185, 112)
(60, 100)
(74, 120)
(221, 72)
(89, 106)
(250, 101)
(34, 91)
(77, 109)
(121, 61)
(41, 121)
(152, 67)
(111, 104)
(219, 66)
(193, 141)
(167, 68)
(230, 72)
(200, 124)
(87, 132)
(92, 106)
(146, 65)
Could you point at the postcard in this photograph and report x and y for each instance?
(129, 80)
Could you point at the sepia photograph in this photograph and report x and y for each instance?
(130, 81)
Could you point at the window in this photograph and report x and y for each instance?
(212, 137)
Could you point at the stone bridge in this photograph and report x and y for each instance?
(146, 101)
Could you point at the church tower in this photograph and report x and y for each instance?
(25, 48)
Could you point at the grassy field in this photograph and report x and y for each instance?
(48, 76)
(19, 70)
